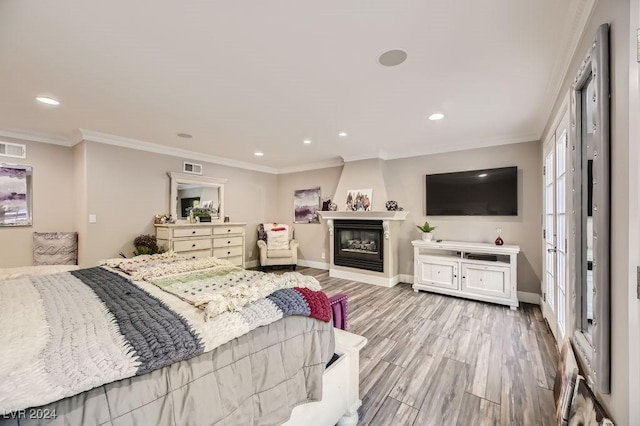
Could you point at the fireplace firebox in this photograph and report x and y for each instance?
(359, 244)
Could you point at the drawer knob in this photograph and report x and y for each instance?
(228, 230)
(193, 245)
(228, 242)
(193, 257)
(228, 252)
(193, 232)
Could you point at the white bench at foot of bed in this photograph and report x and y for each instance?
(340, 388)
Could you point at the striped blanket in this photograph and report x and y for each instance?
(69, 332)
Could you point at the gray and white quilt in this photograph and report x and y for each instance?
(66, 333)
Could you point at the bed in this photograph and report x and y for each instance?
(164, 353)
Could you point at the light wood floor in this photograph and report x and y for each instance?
(439, 360)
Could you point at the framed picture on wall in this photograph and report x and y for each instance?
(306, 204)
(359, 200)
(15, 195)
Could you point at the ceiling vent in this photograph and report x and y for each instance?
(15, 150)
(194, 169)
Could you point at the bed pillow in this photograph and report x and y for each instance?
(55, 248)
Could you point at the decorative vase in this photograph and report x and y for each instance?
(427, 236)
(498, 240)
(391, 206)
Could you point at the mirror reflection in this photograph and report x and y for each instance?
(200, 198)
(588, 130)
(196, 198)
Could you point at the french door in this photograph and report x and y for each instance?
(554, 304)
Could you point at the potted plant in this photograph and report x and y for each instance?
(426, 231)
(147, 244)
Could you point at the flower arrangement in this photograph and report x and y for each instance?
(147, 244)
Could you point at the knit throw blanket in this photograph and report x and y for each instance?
(69, 332)
(215, 285)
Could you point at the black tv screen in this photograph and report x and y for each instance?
(489, 192)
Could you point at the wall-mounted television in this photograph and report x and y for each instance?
(488, 192)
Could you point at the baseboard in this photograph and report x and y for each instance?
(251, 264)
(313, 264)
(363, 278)
(526, 297)
(406, 278)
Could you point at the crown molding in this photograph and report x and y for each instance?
(35, 137)
(575, 32)
(91, 136)
(483, 143)
(311, 166)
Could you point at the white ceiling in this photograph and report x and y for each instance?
(264, 75)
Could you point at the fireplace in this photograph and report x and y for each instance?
(359, 244)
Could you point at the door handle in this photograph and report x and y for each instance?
(552, 250)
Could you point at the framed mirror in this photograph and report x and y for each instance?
(591, 305)
(15, 195)
(198, 196)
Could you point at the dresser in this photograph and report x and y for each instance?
(221, 240)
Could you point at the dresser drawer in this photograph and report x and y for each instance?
(227, 242)
(189, 245)
(197, 254)
(226, 230)
(225, 252)
(191, 232)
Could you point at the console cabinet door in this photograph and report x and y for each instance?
(437, 272)
(486, 280)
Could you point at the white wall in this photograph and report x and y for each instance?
(126, 188)
(313, 238)
(53, 200)
(404, 183)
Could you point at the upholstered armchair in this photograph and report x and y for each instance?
(277, 246)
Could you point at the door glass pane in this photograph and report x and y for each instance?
(549, 230)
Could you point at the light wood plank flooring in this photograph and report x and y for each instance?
(439, 360)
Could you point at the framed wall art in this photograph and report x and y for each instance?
(359, 200)
(306, 204)
(15, 195)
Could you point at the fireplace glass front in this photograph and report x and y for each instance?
(359, 244)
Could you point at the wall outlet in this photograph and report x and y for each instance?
(324, 255)
(93, 218)
(250, 254)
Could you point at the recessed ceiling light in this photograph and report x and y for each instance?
(258, 154)
(391, 58)
(47, 100)
(185, 135)
(306, 141)
(482, 175)
(342, 134)
(436, 116)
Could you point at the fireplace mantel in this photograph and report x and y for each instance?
(375, 215)
(384, 216)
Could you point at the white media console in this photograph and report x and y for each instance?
(478, 271)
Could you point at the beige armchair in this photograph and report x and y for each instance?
(277, 246)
